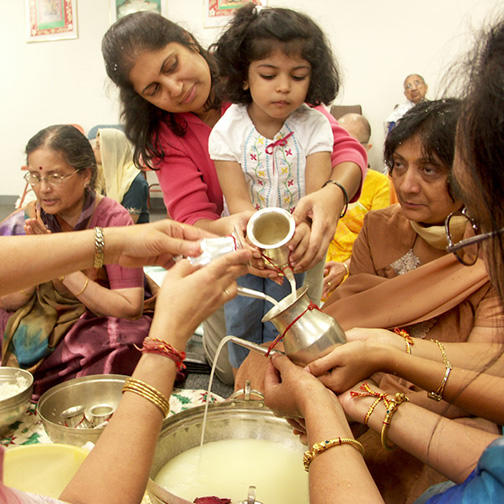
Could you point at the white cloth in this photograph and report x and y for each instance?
(396, 114)
(275, 174)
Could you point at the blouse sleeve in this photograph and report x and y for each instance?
(188, 179)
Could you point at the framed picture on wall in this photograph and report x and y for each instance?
(51, 20)
(217, 12)
(120, 8)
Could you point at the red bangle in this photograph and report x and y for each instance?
(161, 347)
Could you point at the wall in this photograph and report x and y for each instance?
(376, 44)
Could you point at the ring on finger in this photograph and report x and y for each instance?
(227, 292)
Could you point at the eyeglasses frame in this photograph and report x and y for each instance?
(61, 180)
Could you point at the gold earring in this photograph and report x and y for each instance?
(245, 86)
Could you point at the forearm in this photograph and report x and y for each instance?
(450, 447)
(12, 302)
(349, 175)
(130, 436)
(339, 474)
(121, 303)
(478, 393)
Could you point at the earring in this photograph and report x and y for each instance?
(245, 86)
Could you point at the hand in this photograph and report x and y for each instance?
(189, 294)
(323, 208)
(334, 272)
(355, 408)
(289, 388)
(349, 363)
(35, 226)
(156, 243)
(298, 244)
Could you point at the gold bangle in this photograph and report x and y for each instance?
(371, 409)
(392, 406)
(99, 248)
(347, 269)
(148, 392)
(437, 395)
(322, 446)
(83, 288)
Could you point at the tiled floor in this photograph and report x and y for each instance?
(194, 380)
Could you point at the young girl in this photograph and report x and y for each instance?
(270, 148)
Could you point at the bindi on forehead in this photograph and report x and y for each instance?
(40, 168)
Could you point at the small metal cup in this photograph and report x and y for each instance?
(270, 229)
(98, 414)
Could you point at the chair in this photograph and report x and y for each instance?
(338, 110)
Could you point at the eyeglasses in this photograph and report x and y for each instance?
(466, 250)
(52, 179)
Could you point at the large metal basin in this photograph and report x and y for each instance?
(237, 419)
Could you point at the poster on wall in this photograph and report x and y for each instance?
(121, 8)
(217, 12)
(51, 20)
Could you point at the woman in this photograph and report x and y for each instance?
(118, 177)
(401, 276)
(170, 103)
(87, 321)
(443, 443)
(167, 85)
(119, 465)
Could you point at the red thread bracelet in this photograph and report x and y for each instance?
(161, 347)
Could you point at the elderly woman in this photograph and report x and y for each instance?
(87, 321)
(401, 277)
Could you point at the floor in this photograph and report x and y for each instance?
(198, 375)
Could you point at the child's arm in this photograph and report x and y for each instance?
(234, 186)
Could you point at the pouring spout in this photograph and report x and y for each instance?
(254, 346)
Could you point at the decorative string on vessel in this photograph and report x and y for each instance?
(311, 306)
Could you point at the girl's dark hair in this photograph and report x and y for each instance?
(480, 143)
(253, 34)
(71, 143)
(121, 45)
(435, 122)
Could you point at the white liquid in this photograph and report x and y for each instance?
(227, 468)
(289, 274)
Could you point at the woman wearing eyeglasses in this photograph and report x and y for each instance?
(84, 322)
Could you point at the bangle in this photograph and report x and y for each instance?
(148, 392)
(392, 406)
(99, 247)
(345, 195)
(161, 347)
(407, 338)
(437, 395)
(367, 392)
(83, 288)
(347, 269)
(61, 278)
(322, 446)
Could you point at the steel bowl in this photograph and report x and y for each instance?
(69, 409)
(235, 419)
(14, 406)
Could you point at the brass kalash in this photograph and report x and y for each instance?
(307, 334)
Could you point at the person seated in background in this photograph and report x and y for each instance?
(377, 192)
(84, 322)
(117, 468)
(415, 90)
(118, 177)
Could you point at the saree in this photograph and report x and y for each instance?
(57, 337)
(429, 293)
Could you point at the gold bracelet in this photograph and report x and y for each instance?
(322, 446)
(148, 392)
(83, 288)
(392, 406)
(371, 409)
(347, 269)
(437, 395)
(99, 248)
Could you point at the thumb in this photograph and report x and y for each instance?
(322, 365)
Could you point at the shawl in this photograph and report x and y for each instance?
(117, 164)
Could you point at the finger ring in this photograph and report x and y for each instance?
(328, 284)
(227, 292)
